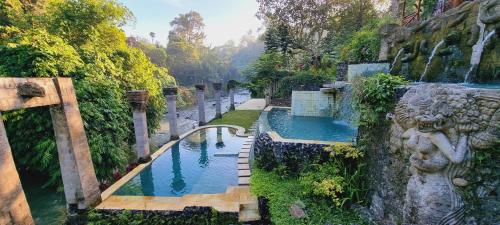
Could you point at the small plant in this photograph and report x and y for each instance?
(374, 96)
(339, 179)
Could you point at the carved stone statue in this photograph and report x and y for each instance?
(443, 125)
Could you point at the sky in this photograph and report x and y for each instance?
(224, 19)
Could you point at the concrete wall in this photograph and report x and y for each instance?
(366, 70)
(312, 103)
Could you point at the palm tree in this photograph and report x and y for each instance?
(152, 35)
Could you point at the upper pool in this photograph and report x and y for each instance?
(288, 126)
(191, 166)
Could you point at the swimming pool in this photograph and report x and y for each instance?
(288, 126)
(193, 165)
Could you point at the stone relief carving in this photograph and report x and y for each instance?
(442, 126)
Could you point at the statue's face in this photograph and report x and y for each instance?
(431, 123)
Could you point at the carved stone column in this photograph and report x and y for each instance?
(200, 97)
(218, 109)
(138, 100)
(14, 208)
(171, 95)
(81, 187)
(231, 99)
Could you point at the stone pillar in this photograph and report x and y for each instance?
(200, 97)
(81, 187)
(231, 99)
(14, 208)
(138, 100)
(171, 94)
(218, 107)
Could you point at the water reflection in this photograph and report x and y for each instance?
(220, 143)
(178, 183)
(147, 183)
(203, 161)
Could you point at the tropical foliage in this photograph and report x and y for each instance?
(80, 39)
(375, 96)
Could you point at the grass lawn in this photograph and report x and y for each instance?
(283, 192)
(242, 118)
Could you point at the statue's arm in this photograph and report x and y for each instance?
(456, 155)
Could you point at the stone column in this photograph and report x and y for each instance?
(14, 208)
(171, 94)
(231, 99)
(218, 107)
(200, 97)
(138, 100)
(81, 187)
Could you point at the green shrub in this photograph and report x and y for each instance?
(201, 216)
(374, 96)
(282, 192)
(364, 46)
(290, 83)
(338, 179)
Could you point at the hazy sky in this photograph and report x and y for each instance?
(224, 19)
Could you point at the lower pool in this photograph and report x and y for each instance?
(288, 126)
(191, 166)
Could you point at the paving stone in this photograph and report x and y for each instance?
(244, 173)
(245, 150)
(242, 160)
(243, 155)
(244, 180)
(243, 166)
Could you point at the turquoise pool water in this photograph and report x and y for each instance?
(190, 166)
(309, 128)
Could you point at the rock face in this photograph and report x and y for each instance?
(470, 45)
(441, 128)
(293, 156)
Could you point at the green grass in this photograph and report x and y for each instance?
(242, 118)
(283, 192)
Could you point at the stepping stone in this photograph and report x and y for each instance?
(245, 150)
(249, 213)
(242, 160)
(243, 155)
(243, 167)
(244, 173)
(244, 181)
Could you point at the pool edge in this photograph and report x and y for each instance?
(278, 138)
(115, 186)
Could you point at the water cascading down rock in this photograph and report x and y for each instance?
(461, 44)
(138, 101)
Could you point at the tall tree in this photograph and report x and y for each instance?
(189, 27)
(152, 35)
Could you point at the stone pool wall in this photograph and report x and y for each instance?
(366, 69)
(312, 103)
(269, 154)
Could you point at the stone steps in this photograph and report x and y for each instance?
(249, 205)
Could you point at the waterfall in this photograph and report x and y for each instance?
(477, 51)
(430, 59)
(396, 59)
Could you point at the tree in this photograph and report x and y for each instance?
(189, 27)
(80, 39)
(306, 20)
(152, 35)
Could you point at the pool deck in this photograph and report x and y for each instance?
(236, 199)
(253, 104)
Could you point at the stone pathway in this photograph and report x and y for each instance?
(253, 104)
